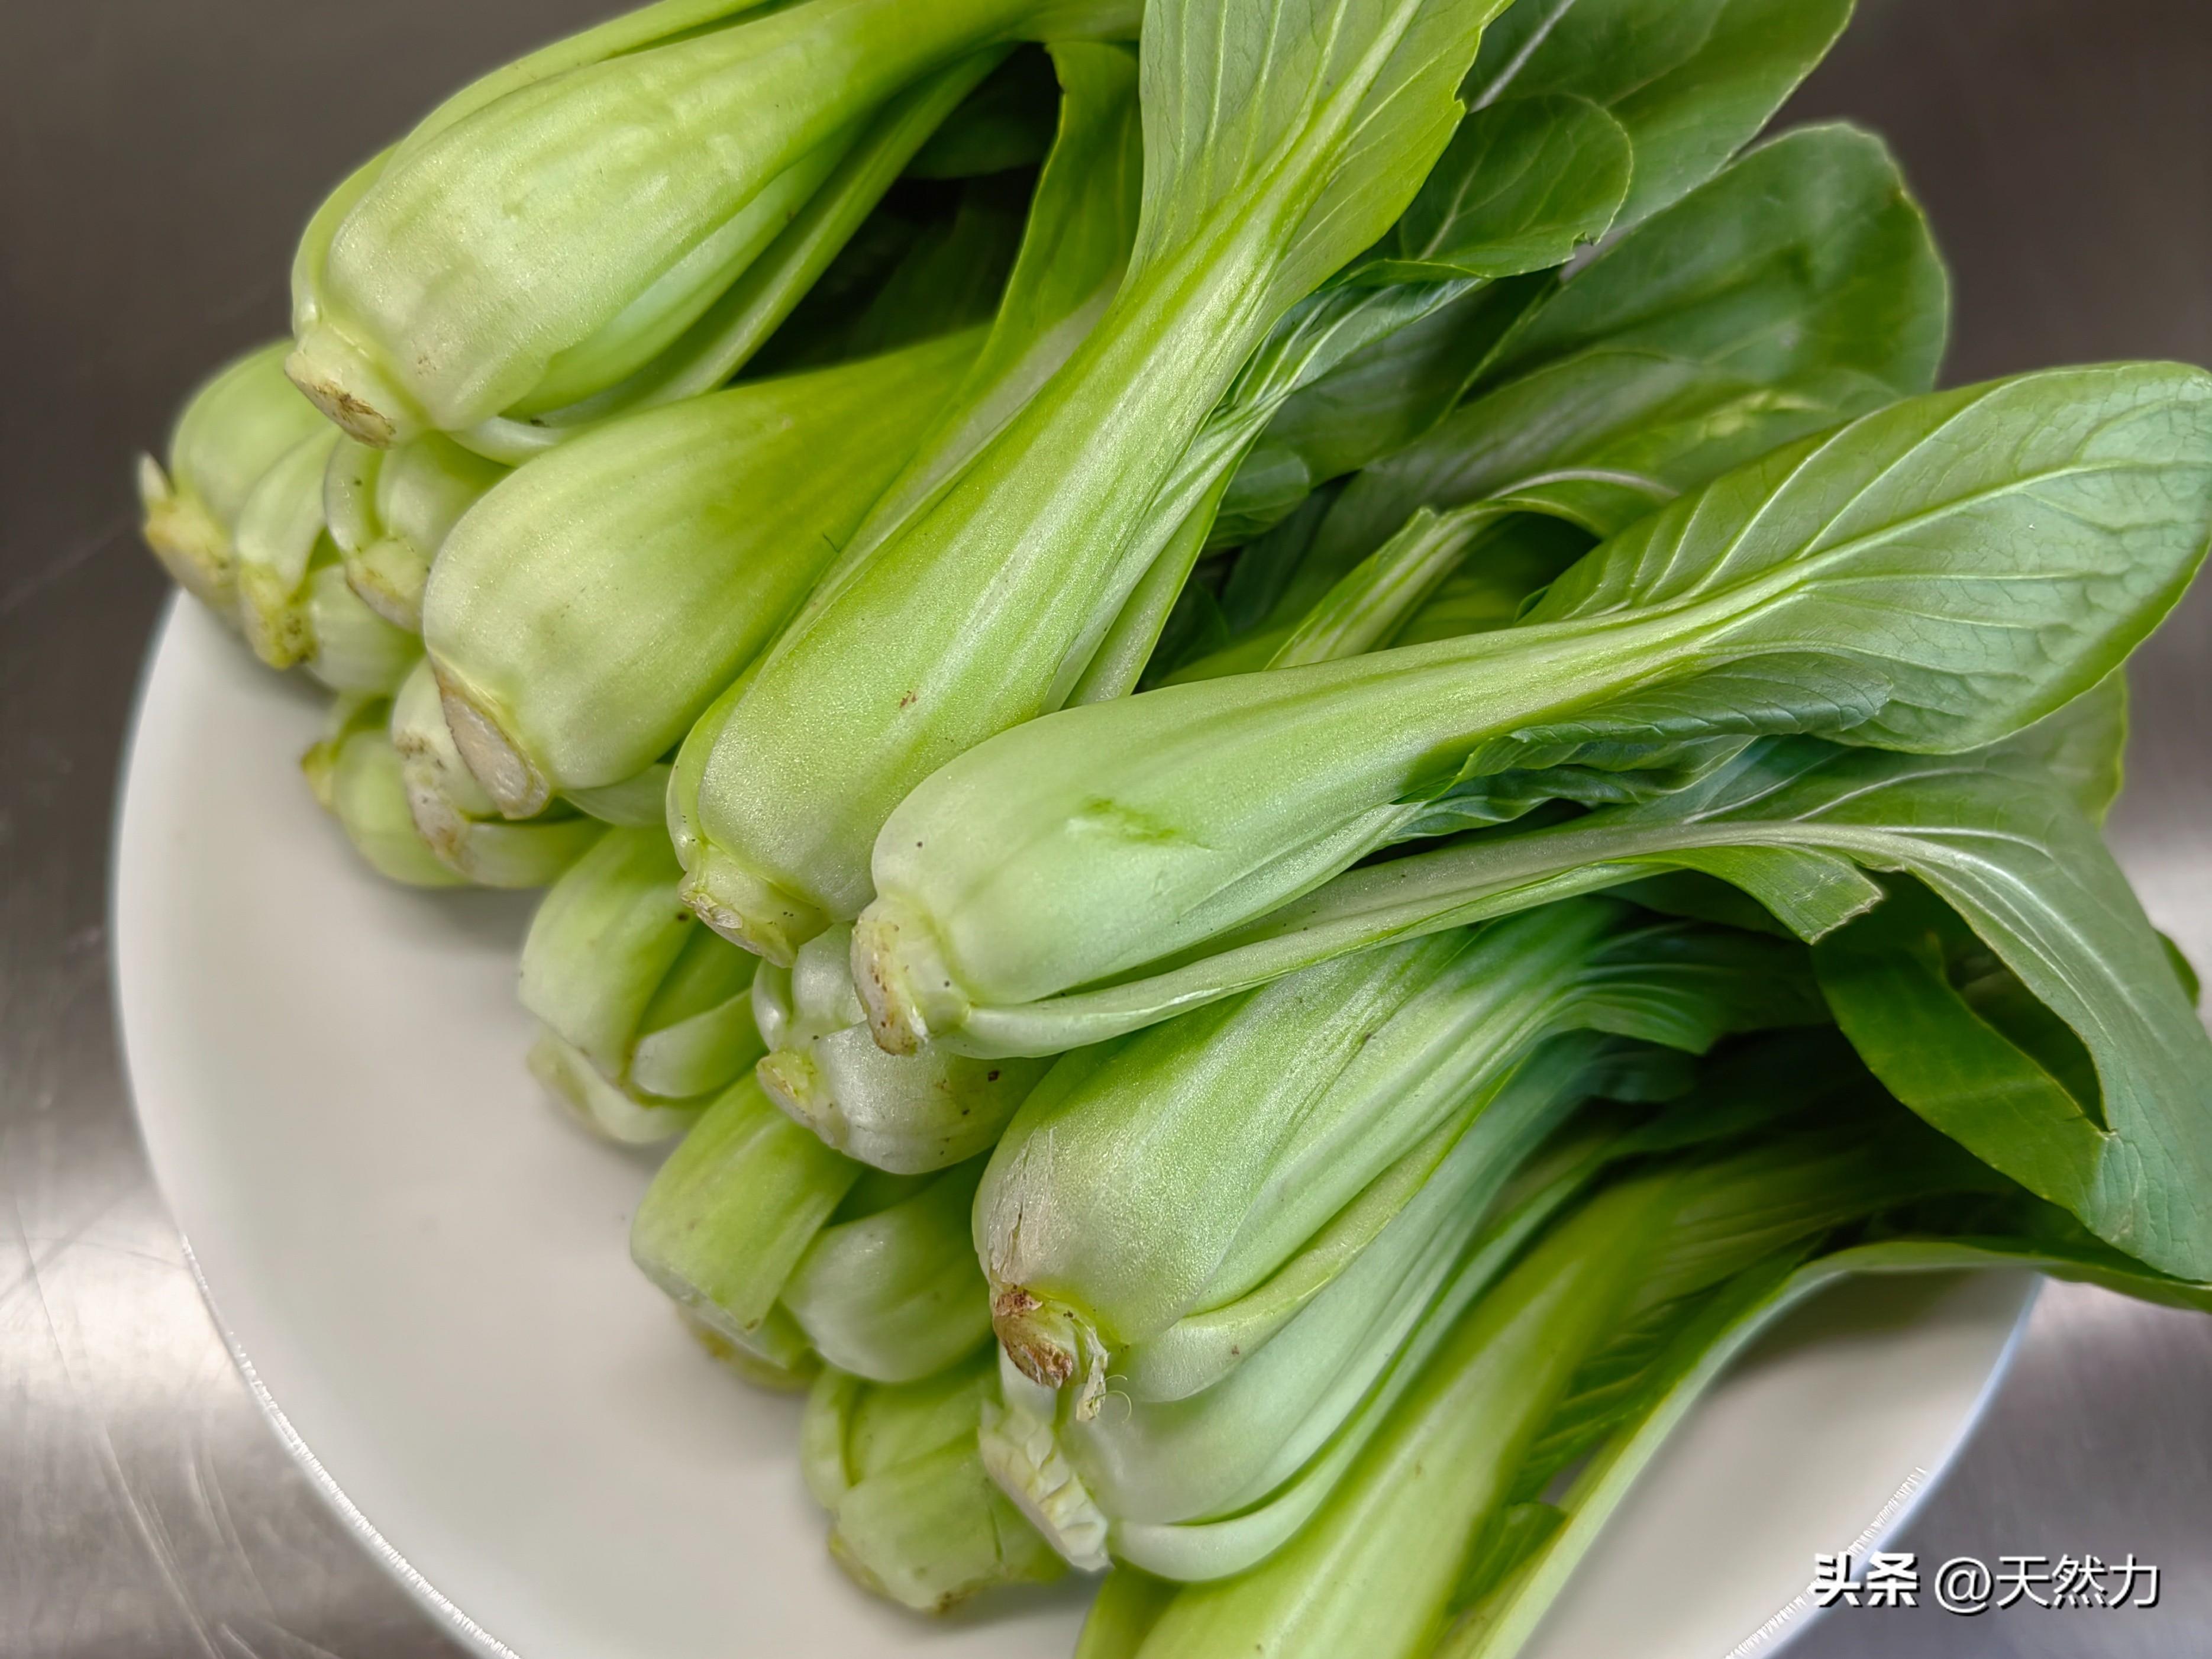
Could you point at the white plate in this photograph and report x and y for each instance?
(423, 1270)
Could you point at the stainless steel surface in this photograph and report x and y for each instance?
(155, 159)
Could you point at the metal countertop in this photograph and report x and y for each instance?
(156, 158)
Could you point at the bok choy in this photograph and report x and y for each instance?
(1929, 579)
(1271, 158)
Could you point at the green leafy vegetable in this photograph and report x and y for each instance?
(1689, 81)
(915, 1517)
(454, 816)
(1375, 1572)
(1766, 811)
(587, 609)
(1074, 251)
(1930, 578)
(785, 1248)
(909, 1113)
(1385, 772)
(2077, 1067)
(1520, 185)
(1270, 159)
(2005, 836)
(619, 972)
(1179, 1170)
(1682, 88)
(749, 319)
(1500, 1612)
(238, 518)
(390, 511)
(1219, 1442)
(233, 429)
(661, 159)
(354, 772)
(1797, 288)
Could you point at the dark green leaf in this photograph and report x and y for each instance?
(2067, 511)
(1690, 81)
(1797, 289)
(1686, 83)
(1524, 183)
(1806, 256)
(1376, 401)
(1885, 979)
(2127, 1146)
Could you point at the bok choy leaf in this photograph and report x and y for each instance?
(1930, 578)
(1678, 89)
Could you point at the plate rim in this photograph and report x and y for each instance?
(387, 1555)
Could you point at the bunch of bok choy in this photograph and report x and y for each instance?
(1287, 740)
